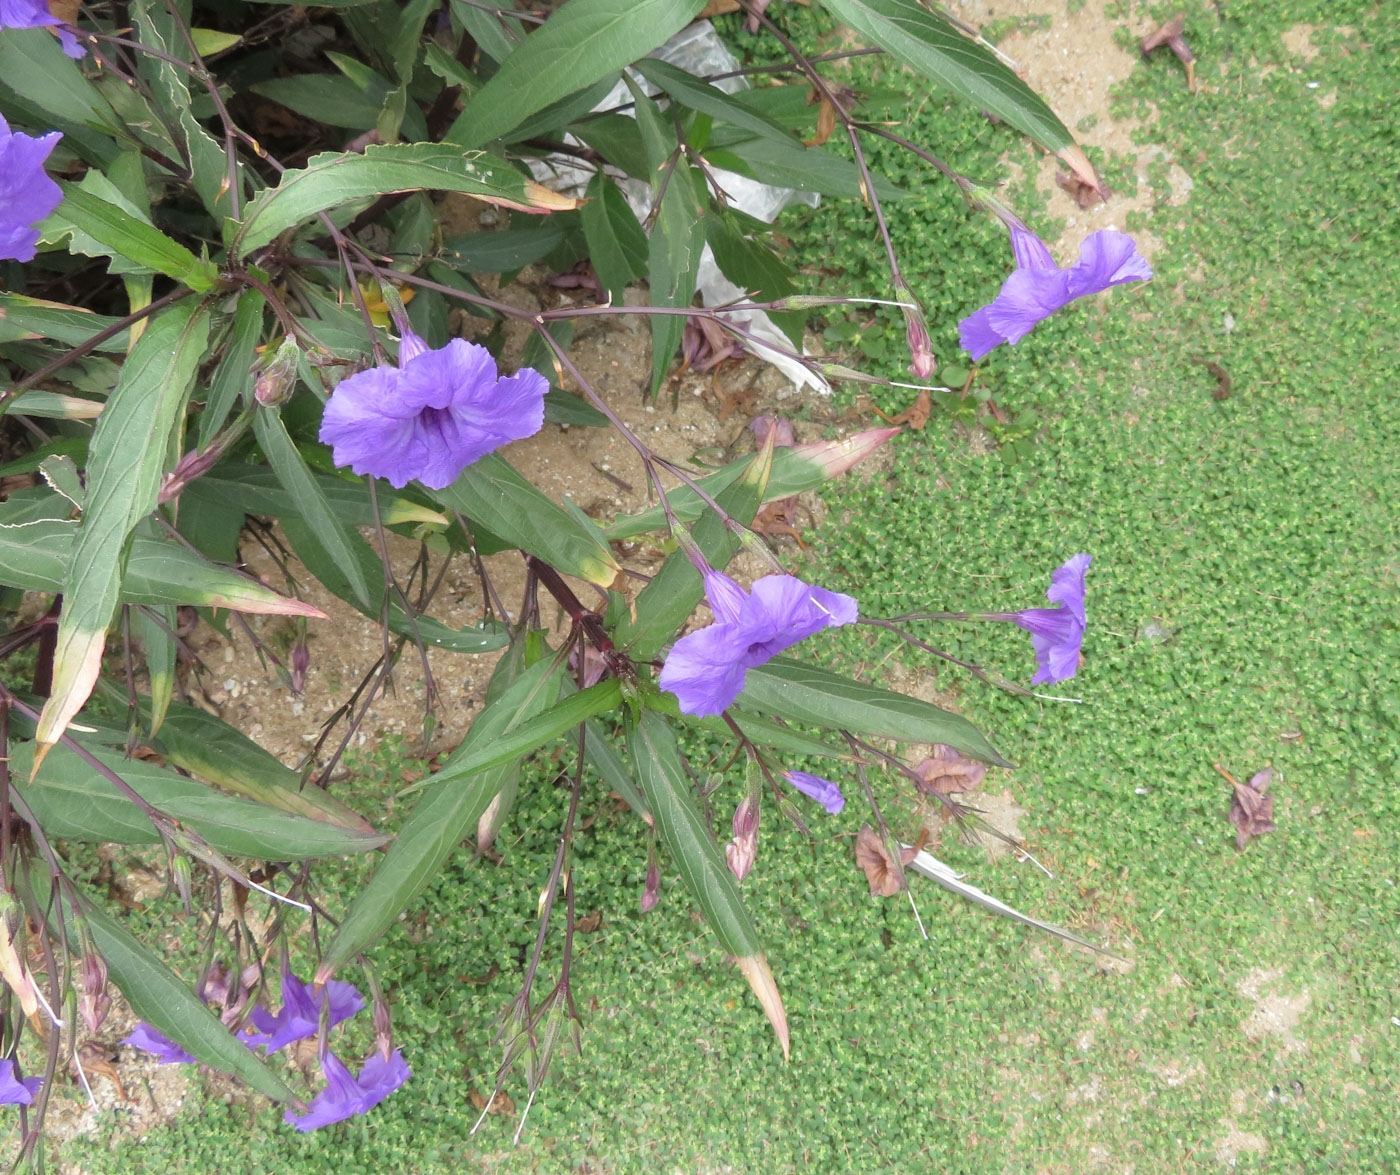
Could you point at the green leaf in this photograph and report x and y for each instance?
(336, 177)
(207, 746)
(617, 245)
(671, 798)
(164, 1001)
(492, 493)
(325, 98)
(791, 165)
(70, 798)
(698, 94)
(532, 734)
(927, 43)
(444, 815)
(254, 489)
(794, 471)
(154, 629)
(33, 65)
(306, 542)
(207, 42)
(673, 264)
(665, 603)
(37, 555)
(801, 692)
(310, 502)
(234, 375)
(557, 115)
(22, 318)
(100, 227)
(580, 43)
(125, 464)
(566, 408)
(508, 249)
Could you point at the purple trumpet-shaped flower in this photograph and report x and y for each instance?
(345, 1096)
(706, 669)
(433, 415)
(27, 195)
(814, 787)
(1039, 287)
(1056, 633)
(16, 1090)
(300, 1017)
(166, 1051)
(34, 14)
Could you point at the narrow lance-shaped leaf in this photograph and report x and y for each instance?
(493, 494)
(154, 629)
(118, 233)
(531, 734)
(335, 178)
(583, 41)
(71, 798)
(802, 467)
(310, 503)
(441, 818)
(801, 692)
(125, 462)
(38, 557)
(673, 265)
(663, 605)
(617, 245)
(929, 44)
(706, 874)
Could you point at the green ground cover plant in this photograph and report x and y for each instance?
(1242, 613)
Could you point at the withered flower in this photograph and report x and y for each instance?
(1170, 35)
(877, 864)
(945, 771)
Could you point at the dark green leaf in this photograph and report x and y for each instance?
(70, 798)
(580, 43)
(495, 495)
(926, 42)
(698, 94)
(801, 692)
(444, 815)
(671, 799)
(617, 245)
(337, 177)
(673, 264)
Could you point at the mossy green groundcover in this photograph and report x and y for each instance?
(1243, 612)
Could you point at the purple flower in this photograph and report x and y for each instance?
(300, 1017)
(344, 1096)
(706, 669)
(814, 787)
(1039, 287)
(433, 415)
(166, 1051)
(15, 1090)
(1056, 633)
(34, 14)
(27, 195)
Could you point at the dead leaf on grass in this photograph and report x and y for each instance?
(500, 1104)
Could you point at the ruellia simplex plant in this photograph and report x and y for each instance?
(203, 325)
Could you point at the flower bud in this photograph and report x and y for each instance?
(276, 381)
(742, 851)
(916, 334)
(301, 662)
(651, 891)
(94, 1002)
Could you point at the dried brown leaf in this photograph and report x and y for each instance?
(1251, 808)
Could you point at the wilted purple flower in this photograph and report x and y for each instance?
(1039, 287)
(814, 787)
(433, 415)
(27, 195)
(34, 14)
(166, 1051)
(706, 669)
(344, 1096)
(300, 1016)
(16, 1090)
(1056, 633)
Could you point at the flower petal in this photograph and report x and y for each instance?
(814, 787)
(705, 669)
(1106, 258)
